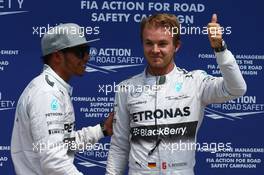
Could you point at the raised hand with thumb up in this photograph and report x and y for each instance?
(214, 33)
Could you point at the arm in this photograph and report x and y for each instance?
(231, 84)
(120, 146)
(86, 136)
(220, 89)
(91, 135)
(234, 82)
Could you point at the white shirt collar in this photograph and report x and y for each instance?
(50, 71)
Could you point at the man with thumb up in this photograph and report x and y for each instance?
(155, 128)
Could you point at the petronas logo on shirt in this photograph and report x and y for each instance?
(54, 105)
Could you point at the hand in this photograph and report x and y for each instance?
(108, 124)
(214, 33)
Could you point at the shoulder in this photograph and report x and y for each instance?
(200, 75)
(130, 83)
(43, 86)
(196, 75)
(134, 80)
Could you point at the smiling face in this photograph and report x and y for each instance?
(159, 50)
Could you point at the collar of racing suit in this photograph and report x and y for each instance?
(47, 69)
(151, 79)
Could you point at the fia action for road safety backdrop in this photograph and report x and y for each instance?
(117, 54)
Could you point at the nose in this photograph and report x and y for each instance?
(155, 49)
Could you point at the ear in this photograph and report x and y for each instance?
(177, 47)
(57, 57)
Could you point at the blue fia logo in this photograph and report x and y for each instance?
(54, 105)
(178, 87)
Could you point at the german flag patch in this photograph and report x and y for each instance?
(152, 164)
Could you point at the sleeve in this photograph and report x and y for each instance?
(50, 124)
(220, 89)
(120, 145)
(87, 136)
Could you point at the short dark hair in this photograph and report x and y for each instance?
(162, 20)
(46, 59)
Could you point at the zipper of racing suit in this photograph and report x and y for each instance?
(158, 139)
(156, 124)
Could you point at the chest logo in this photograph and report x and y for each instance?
(54, 104)
(178, 87)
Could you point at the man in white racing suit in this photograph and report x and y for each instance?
(160, 110)
(44, 139)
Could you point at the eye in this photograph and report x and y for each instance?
(163, 44)
(148, 43)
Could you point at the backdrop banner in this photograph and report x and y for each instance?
(116, 54)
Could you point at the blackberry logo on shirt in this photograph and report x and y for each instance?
(136, 131)
(174, 131)
(159, 114)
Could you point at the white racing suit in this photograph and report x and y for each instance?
(157, 118)
(43, 139)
